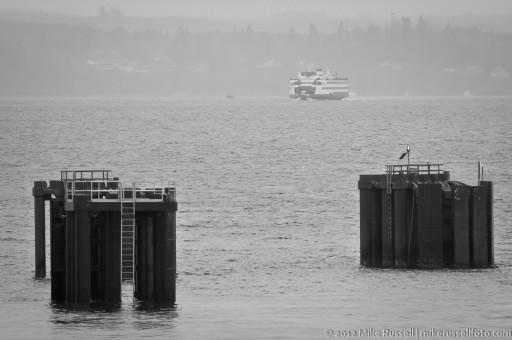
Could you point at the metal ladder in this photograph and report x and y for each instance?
(127, 236)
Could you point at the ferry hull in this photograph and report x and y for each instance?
(318, 85)
(333, 96)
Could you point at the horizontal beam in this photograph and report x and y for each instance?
(116, 206)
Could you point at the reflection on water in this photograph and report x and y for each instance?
(118, 319)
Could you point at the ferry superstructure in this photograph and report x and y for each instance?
(318, 85)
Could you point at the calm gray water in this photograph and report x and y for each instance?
(268, 220)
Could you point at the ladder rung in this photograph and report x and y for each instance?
(127, 239)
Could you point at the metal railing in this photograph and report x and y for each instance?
(399, 169)
(148, 191)
(79, 175)
(414, 169)
(117, 190)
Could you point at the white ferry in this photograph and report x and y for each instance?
(318, 85)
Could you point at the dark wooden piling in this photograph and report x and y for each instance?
(156, 248)
(365, 205)
(70, 257)
(415, 216)
(490, 220)
(460, 225)
(82, 249)
(144, 283)
(376, 227)
(478, 227)
(39, 192)
(167, 291)
(429, 236)
(58, 242)
(88, 245)
(111, 257)
(402, 221)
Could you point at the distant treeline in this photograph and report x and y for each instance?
(402, 56)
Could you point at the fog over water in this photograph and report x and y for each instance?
(70, 48)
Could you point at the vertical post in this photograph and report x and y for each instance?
(479, 175)
(430, 226)
(169, 221)
(39, 223)
(408, 158)
(165, 255)
(140, 266)
(145, 253)
(83, 249)
(460, 226)
(377, 227)
(478, 218)
(111, 257)
(58, 242)
(401, 226)
(412, 229)
(159, 260)
(490, 220)
(150, 282)
(70, 257)
(365, 228)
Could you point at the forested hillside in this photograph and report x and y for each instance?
(406, 55)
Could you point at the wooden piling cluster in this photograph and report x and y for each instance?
(95, 246)
(414, 216)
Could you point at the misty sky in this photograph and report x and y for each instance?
(251, 8)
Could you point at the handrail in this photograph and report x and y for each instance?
(425, 168)
(115, 190)
(78, 175)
